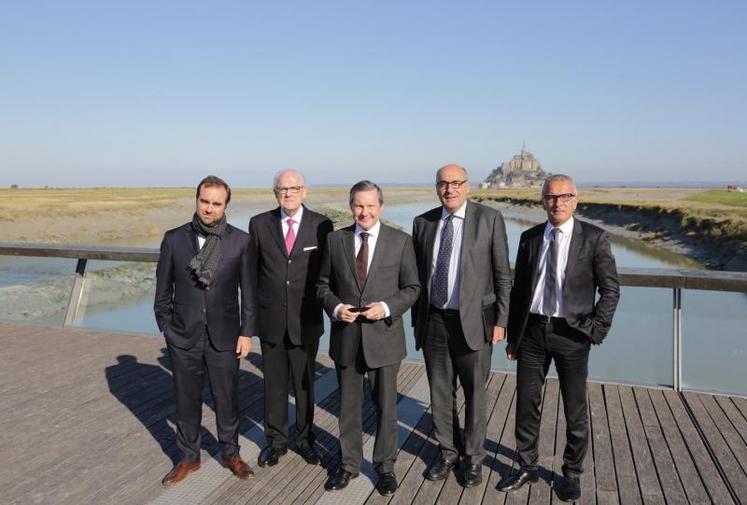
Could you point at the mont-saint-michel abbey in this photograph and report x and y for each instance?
(521, 171)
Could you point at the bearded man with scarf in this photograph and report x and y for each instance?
(205, 307)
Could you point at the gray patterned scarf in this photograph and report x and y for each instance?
(205, 262)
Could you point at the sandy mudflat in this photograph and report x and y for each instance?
(101, 216)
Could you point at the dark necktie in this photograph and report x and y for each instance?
(440, 280)
(549, 295)
(361, 261)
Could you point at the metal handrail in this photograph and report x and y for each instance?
(675, 279)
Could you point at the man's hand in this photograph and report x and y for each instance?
(374, 311)
(345, 314)
(499, 332)
(243, 346)
(510, 352)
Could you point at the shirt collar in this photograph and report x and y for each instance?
(460, 213)
(373, 232)
(296, 219)
(565, 229)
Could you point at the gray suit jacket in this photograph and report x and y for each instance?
(392, 278)
(485, 274)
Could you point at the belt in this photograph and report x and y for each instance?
(542, 319)
(444, 312)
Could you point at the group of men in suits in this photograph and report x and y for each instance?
(453, 272)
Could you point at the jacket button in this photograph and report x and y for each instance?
(285, 304)
(289, 261)
(287, 282)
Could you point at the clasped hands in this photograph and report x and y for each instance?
(373, 312)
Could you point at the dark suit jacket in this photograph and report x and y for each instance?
(590, 267)
(392, 278)
(286, 284)
(183, 306)
(485, 274)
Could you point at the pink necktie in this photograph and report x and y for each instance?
(290, 237)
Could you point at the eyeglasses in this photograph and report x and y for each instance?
(453, 184)
(565, 198)
(290, 190)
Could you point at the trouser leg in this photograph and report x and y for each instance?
(533, 363)
(302, 360)
(223, 372)
(275, 368)
(384, 393)
(442, 385)
(188, 371)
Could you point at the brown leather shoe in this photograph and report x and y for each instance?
(238, 467)
(179, 472)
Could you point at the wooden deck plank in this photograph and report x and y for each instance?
(501, 455)
(627, 480)
(107, 429)
(720, 434)
(728, 405)
(539, 493)
(695, 447)
(588, 478)
(650, 487)
(604, 466)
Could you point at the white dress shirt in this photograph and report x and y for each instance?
(296, 221)
(563, 246)
(373, 235)
(457, 223)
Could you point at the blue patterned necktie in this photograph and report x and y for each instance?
(549, 295)
(440, 280)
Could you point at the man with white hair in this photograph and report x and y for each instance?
(284, 254)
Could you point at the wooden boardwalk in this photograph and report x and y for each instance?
(88, 418)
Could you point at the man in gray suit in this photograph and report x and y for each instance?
(462, 256)
(368, 279)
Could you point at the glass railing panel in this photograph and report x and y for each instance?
(35, 290)
(118, 296)
(638, 349)
(714, 342)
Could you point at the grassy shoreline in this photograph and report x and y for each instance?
(708, 225)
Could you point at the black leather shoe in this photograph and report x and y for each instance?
(570, 490)
(339, 480)
(516, 481)
(387, 484)
(472, 475)
(270, 456)
(440, 469)
(309, 455)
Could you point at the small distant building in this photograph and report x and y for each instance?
(521, 171)
(734, 187)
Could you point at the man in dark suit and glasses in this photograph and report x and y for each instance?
(204, 308)
(284, 253)
(368, 280)
(560, 265)
(462, 256)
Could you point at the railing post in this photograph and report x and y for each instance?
(76, 292)
(677, 339)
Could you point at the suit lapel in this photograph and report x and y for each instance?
(535, 250)
(348, 246)
(469, 236)
(429, 235)
(577, 239)
(378, 253)
(304, 230)
(275, 226)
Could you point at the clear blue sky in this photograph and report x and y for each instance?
(152, 92)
